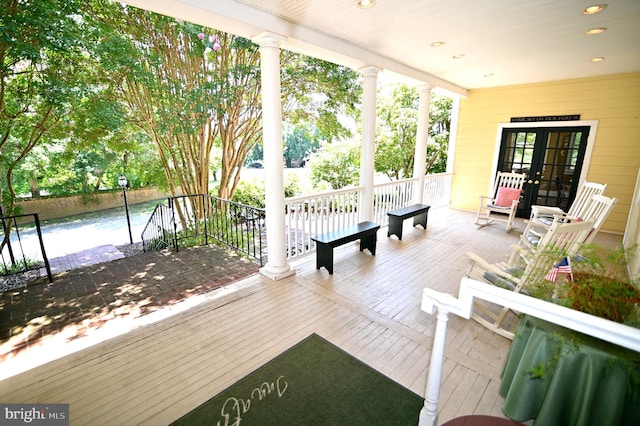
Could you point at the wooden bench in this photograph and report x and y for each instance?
(366, 232)
(419, 212)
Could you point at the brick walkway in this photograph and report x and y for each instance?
(84, 258)
(83, 299)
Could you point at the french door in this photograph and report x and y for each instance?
(551, 157)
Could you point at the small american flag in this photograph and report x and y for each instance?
(562, 267)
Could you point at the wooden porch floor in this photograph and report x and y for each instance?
(369, 307)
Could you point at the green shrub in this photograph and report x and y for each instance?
(250, 194)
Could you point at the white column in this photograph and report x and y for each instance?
(277, 266)
(429, 412)
(367, 170)
(422, 136)
(453, 133)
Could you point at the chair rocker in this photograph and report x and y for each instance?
(503, 202)
(544, 216)
(563, 239)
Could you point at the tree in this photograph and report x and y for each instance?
(397, 128)
(190, 87)
(396, 133)
(43, 61)
(337, 165)
(439, 130)
(299, 144)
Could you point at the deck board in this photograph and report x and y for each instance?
(369, 307)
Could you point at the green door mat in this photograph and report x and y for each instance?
(312, 383)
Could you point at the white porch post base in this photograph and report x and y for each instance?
(277, 273)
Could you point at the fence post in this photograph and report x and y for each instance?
(175, 224)
(44, 253)
(206, 202)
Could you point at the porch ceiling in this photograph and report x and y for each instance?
(503, 42)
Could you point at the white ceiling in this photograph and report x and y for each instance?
(504, 42)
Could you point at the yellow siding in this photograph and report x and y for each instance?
(614, 101)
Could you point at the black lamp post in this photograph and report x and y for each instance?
(122, 181)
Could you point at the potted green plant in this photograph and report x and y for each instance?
(595, 281)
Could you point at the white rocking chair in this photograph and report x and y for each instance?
(597, 209)
(563, 239)
(544, 216)
(503, 200)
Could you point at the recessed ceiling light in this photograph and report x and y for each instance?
(437, 44)
(598, 59)
(596, 8)
(593, 31)
(458, 56)
(365, 4)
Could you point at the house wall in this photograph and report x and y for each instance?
(614, 101)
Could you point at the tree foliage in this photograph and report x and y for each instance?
(299, 143)
(336, 166)
(190, 87)
(99, 81)
(43, 72)
(396, 133)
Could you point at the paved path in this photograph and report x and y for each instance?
(83, 258)
(87, 298)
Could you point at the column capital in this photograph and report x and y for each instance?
(425, 87)
(370, 71)
(268, 39)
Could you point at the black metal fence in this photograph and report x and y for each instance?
(190, 220)
(14, 259)
(159, 232)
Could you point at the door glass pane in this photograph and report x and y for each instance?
(558, 168)
(519, 152)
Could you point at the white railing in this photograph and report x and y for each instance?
(310, 215)
(437, 189)
(442, 304)
(391, 196)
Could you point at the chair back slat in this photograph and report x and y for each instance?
(563, 239)
(582, 201)
(509, 180)
(599, 209)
